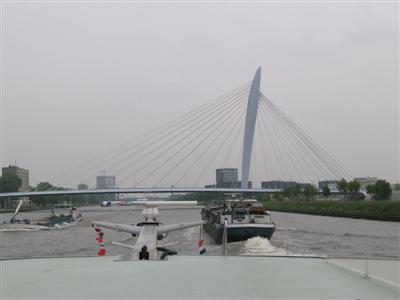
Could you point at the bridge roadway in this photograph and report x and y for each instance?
(139, 191)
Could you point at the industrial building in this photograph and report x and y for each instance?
(365, 181)
(277, 184)
(21, 173)
(333, 185)
(226, 178)
(83, 186)
(105, 182)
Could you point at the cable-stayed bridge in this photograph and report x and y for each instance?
(242, 129)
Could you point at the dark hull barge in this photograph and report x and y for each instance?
(244, 219)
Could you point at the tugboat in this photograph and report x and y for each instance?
(244, 219)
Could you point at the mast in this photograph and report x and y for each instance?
(16, 211)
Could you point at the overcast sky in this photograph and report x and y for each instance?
(81, 78)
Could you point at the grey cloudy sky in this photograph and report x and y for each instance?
(81, 78)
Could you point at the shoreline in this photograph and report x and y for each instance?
(11, 210)
(366, 217)
(386, 210)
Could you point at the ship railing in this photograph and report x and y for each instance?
(225, 239)
(383, 269)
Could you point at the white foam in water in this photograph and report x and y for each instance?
(262, 246)
(63, 225)
(22, 229)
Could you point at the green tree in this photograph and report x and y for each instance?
(264, 197)
(396, 187)
(381, 190)
(343, 186)
(10, 183)
(371, 189)
(326, 191)
(310, 191)
(353, 187)
(44, 186)
(290, 192)
(45, 201)
(277, 196)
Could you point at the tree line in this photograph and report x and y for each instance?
(351, 190)
(381, 190)
(11, 183)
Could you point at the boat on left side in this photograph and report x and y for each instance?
(61, 215)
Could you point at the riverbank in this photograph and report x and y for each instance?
(372, 210)
(22, 210)
(29, 209)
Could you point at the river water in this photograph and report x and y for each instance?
(295, 234)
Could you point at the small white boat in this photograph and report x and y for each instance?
(62, 215)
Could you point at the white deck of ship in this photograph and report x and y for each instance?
(185, 277)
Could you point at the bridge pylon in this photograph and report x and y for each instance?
(251, 116)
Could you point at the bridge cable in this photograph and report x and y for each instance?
(203, 152)
(312, 143)
(272, 142)
(285, 143)
(152, 134)
(261, 140)
(217, 137)
(293, 142)
(188, 134)
(279, 141)
(305, 161)
(309, 145)
(218, 150)
(156, 146)
(181, 148)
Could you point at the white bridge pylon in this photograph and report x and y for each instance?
(251, 117)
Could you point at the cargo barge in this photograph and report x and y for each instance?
(244, 219)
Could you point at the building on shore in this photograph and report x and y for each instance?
(23, 174)
(333, 185)
(249, 184)
(228, 178)
(277, 184)
(83, 186)
(365, 181)
(105, 182)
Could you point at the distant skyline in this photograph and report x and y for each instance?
(79, 79)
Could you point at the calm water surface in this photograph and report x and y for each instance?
(295, 234)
